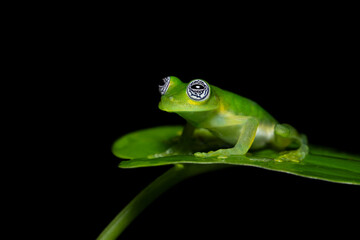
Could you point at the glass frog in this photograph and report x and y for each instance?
(234, 119)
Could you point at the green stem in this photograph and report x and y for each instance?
(149, 194)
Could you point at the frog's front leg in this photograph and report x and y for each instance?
(181, 147)
(242, 128)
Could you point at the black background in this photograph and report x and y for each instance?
(95, 85)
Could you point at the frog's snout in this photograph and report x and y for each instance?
(166, 103)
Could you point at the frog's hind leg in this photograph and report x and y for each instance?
(284, 136)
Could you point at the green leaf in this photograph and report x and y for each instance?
(143, 143)
(321, 163)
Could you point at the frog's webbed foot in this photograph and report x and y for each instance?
(174, 150)
(221, 153)
(286, 133)
(159, 155)
(293, 156)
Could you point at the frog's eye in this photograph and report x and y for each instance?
(163, 88)
(198, 90)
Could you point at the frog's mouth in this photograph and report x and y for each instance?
(167, 107)
(171, 105)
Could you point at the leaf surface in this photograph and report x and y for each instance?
(321, 163)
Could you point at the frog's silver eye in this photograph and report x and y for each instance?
(198, 90)
(163, 88)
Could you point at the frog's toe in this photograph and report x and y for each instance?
(157, 155)
(291, 156)
(202, 154)
(221, 153)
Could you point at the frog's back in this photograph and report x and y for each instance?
(239, 105)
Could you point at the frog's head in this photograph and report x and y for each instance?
(195, 96)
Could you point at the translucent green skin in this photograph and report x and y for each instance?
(234, 119)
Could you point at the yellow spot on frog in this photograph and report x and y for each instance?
(193, 102)
(221, 108)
